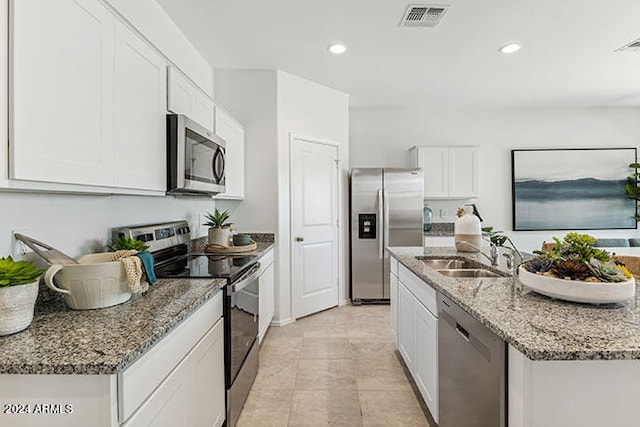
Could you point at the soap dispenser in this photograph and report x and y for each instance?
(467, 231)
(427, 215)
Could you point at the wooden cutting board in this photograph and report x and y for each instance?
(228, 250)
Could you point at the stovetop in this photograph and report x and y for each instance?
(200, 265)
(168, 244)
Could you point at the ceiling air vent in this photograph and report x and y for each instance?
(423, 15)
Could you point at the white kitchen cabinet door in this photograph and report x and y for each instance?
(186, 98)
(194, 393)
(393, 289)
(434, 164)
(267, 301)
(463, 172)
(449, 172)
(406, 325)
(208, 391)
(233, 133)
(140, 100)
(62, 102)
(425, 370)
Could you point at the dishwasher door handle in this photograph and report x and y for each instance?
(462, 332)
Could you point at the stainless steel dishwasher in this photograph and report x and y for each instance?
(472, 370)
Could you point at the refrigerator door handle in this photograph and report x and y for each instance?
(386, 217)
(380, 241)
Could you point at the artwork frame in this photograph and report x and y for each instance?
(572, 189)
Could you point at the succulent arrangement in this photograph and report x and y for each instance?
(126, 242)
(217, 219)
(13, 273)
(575, 258)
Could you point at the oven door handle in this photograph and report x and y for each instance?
(245, 281)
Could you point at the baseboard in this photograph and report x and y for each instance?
(282, 322)
(344, 302)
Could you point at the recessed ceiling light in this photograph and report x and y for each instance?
(510, 48)
(337, 48)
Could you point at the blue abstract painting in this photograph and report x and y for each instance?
(572, 189)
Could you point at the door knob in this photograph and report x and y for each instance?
(299, 239)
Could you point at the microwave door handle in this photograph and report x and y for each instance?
(218, 158)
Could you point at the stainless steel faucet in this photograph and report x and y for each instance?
(493, 257)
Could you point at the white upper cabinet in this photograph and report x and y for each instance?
(88, 95)
(233, 133)
(186, 98)
(449, 172)
(62, 98)
(140, 106)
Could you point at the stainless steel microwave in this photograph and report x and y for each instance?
(195, 158)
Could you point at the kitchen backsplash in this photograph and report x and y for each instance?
(80, 224)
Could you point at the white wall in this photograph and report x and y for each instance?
(250, 97)
(309, 110)
(380, 137)
(272, 105)
(79, 224)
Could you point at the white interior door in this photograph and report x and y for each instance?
(314, 226)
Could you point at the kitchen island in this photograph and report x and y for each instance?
(568, 363)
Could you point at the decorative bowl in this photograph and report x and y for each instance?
(241, 239)
(578, 291)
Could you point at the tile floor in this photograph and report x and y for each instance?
(338, 368)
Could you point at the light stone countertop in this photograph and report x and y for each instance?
(540, 327)
(107, 340)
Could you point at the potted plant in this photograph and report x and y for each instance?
(219, 228)
(123, 243)
(576, 271)
(18, 293)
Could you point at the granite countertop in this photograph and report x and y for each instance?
(107, 340)
(541, 328)
(440, 229)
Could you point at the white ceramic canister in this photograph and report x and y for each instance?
(467, 231)
(96, 282)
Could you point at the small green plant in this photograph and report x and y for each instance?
(128, 243)
(217, 219)
(495, 237)
(13, 273)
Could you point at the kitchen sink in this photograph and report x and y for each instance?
(448, 263)
(468, 272)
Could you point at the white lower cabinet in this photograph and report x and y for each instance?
(418, 333)
(266, 300)
(406, 325)
(393, 288)
(179, 382)
(193, 394)
(425, 370)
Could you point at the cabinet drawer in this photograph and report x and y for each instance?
(394, 266)
(139, 380)
(265, 261)
(423, 292)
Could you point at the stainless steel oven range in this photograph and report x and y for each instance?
(172, 259)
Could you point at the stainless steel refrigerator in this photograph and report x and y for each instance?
(386, 210)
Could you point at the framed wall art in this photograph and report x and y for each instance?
(572, 189)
